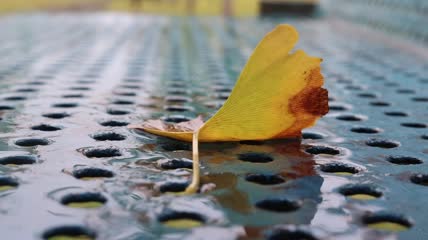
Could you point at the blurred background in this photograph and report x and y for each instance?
(171, 7)
(405, 17)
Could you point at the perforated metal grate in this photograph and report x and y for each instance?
(69, 166)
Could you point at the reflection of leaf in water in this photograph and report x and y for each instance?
(302, 164)
(235, 200)
(220, 159)
(301, 169)
(227, 194)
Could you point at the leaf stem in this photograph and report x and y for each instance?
(194, 185)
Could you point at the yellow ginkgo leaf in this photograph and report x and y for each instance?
(278, 94)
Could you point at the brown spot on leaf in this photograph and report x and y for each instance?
(308, 105)
(313, 101)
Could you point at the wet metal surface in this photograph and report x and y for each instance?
(70, 84)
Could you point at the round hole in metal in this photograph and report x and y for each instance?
(345, 81)
(264, 179)
(126, 94)
(289, 234)
(75, 95)
(336, 107)
(177, 108)
(126, 86)
(80, 88)
(108, 136)
(102, 152)
(406, 91)
(367, 95)
(132, 80)
(396, 114)
(382, 143)
(45, 128)
(122, 102)
(177, 91)
(56, 115)
(404, 160)
(181, 219)
(312, 135)
(380, 104)
(339, 168)
(255, 157)
(350, 118)
(222, 96)
(414, 125)
(177, 99)
(222, 89)
(420, 99)
(37, 83)
(117, 111)
(32, 142)
(177, 85)
(15, 98)
(420, 179)
(45, 76)
(386, 222)
(65, 105)
(91, 173)
(278, 205)
(175, 119)
(177, 164)
(86, 81)
(315, 150)
(391, 84)
(69, 232)
(114, 123)
(18, 160)
(354, 88)
(5, 107)
(7, 183)
(365, 130)
(173, 187)
(361, 192)
(84, 200)
(26, 90)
